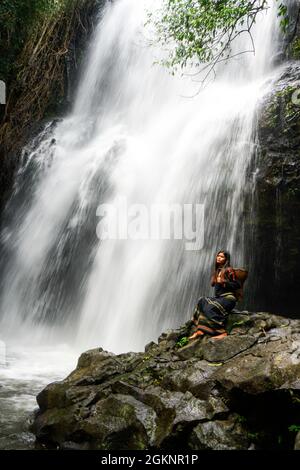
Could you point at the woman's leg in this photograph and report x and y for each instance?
(211, 316)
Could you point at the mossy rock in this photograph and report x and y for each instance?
(295, 49)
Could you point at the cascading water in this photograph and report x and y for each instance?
(134, 134)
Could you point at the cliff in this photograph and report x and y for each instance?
(272, 220)
(276, 225)
(46, 72)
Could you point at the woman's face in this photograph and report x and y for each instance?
(221, 258)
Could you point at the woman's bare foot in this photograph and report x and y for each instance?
(196, 335)
(222, 335)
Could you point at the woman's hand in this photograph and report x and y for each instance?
(221, 278)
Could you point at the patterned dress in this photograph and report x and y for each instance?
(210, 313)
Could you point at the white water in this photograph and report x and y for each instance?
(132, 133)
(26, 372)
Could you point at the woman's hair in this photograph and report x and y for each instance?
(227, 259)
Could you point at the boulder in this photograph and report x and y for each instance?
(208, 394)
(227, 434)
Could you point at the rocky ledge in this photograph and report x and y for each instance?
(240, 392)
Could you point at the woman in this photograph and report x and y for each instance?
(211, 312)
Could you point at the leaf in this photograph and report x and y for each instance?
(294, 428)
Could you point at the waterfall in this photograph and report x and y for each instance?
(136, 134)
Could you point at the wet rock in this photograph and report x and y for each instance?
(151, 347)
(297, 442)
(264, 367)
(271, 224)
(93, 356)
(69, 445)
(219, 435)
(192, 395)
(192, 349)
(221, 350)
(292, 38)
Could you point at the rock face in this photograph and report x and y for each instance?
(239, 392)
(22, 118)
(273, 224)
(291, 43)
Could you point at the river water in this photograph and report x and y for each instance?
(24, 372)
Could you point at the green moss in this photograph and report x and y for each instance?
(156, 382)
(282, 111)
(253, 436)
(241, 419)
(295, 49)
(285, 92)
(270, 117)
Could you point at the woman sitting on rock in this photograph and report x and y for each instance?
(211, 312)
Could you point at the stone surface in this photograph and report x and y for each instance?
(297, 442)
(272, 223)
(169, 395)
(270, 213)
(220, 435)
(230, 346)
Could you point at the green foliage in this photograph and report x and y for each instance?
(182, 342)
(18, 18)
(203, 31)
(282, 12)
(294, 428)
